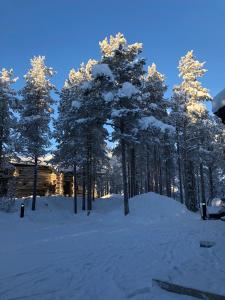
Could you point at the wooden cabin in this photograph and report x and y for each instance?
(50, 181)
(18, 178)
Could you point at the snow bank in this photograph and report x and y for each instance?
(54, 254)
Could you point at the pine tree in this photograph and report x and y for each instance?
(188, 111)
(68, 133)
(155, 133)
(7, 124)
(35, 114)
(80, 131)
(126, 66)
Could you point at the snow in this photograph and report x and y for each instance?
(32, 118)
(153, 105)
(54, 254)
(76, 104)
(108, 97)
(122, 112)
(217, 202)
(218, 101)
(102, 70)
(151, 121)
(86, 85)
(127, 90)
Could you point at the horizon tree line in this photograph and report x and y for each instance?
(173, 147)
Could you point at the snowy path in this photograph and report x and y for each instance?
(52, 254)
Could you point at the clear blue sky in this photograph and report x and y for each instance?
(67, 32)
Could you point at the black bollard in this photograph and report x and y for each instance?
(22, 210)
(203, 210)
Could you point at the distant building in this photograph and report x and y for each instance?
(50, 180)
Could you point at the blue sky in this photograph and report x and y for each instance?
(67, 32)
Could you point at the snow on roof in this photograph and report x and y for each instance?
(218, 101)
(42, 161)
(127, 90)
(102, 70)
(151, 121)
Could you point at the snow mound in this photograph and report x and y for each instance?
(106, 255)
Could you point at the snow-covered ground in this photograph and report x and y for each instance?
(54, 254)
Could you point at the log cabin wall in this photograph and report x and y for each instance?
(50, 181)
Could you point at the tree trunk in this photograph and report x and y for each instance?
(83, 189)
(211, 186)
(179, 168)
(2, 184)
(1, 145)
(160, 175)
(185, 165)
(89, 181)
(198, 185)
(203, 199)
(156, 181)
(148, 171)
(35, 183)
(129, 179)
(93, 190)
(124, 172)
(190, 198)
(75, 188)
(168, 179)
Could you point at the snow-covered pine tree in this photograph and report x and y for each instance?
(7, 125)
(95, 109)
(187, 101)
(126, 66)
(68, 133)
(211, 154)
(80, 132)
(155, 133)
(35, 114)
